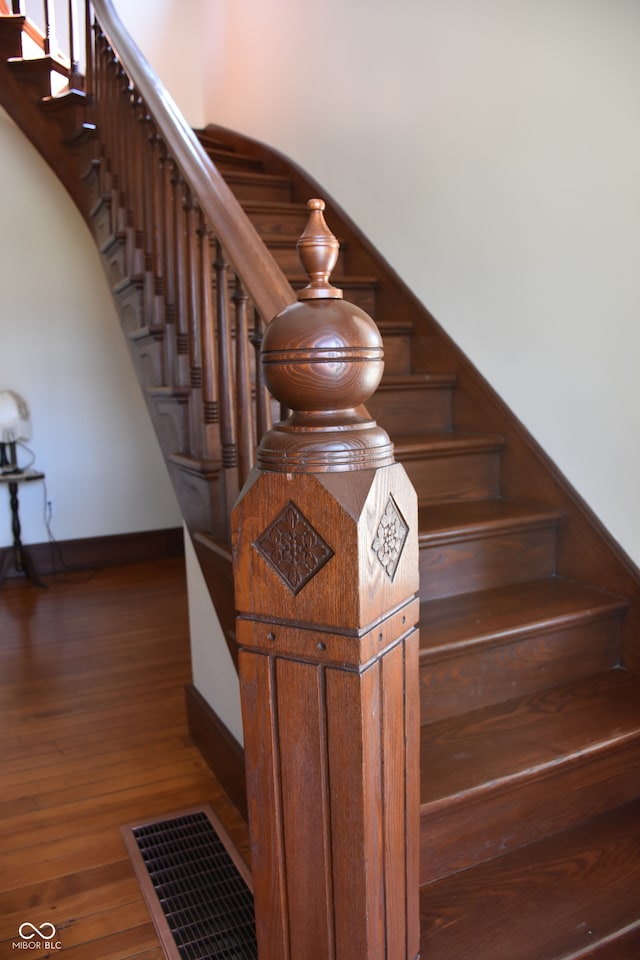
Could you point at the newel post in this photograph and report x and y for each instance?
(326, 580)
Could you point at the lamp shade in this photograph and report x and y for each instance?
(15, 422)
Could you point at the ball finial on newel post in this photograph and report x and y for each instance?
(322, 358)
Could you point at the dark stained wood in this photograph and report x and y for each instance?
(325, 549)
(524, 594)
(93, 733)
(532, 766)
(558, 898)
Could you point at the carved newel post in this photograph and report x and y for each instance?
(326, 579)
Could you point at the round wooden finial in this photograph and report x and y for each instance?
(318, 250)
(322, 358)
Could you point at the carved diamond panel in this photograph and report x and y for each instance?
(293, 548)
(390, 538)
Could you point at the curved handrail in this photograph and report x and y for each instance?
(268, 287)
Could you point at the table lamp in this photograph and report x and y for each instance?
(15, 425)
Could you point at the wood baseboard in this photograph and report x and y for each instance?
(218, 746)
(116, 550)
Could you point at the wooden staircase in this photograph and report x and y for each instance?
(530, 613)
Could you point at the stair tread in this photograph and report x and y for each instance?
(410, 380)
(467, 519)
(408, 445)
(496, 615)
(502, 744)
(556, 898)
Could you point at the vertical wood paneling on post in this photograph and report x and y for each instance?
(393, 792)
(264, 419)
(244, 389)
(300, 713)
(258, 686)
(355, 787)
(325, 539)
(412, 784)
(226, 367)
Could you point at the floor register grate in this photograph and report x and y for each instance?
(196, 887)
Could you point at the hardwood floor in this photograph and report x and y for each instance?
(93, 735)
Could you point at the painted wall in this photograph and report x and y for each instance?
(170, 37)
(61, 348)
(491, 152)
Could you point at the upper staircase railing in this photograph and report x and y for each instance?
(210, 282)
(325, 534)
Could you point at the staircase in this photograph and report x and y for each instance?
(530, 613)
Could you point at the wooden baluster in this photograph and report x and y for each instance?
(73, 45)
(169, 240)
(264, 418)
(244, 398)
(157, 153)
(180, 280)
(145, 185)
(225, 380)
(89, 45)
(326, 579)
(210, 406)
(137, 185)
(196, 414)
(49, 29)
(17, 7)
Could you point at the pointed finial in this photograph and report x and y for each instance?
(318, 251)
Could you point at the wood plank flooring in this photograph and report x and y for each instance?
(93, 735)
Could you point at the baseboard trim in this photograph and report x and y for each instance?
(219, 748)
(116, 550)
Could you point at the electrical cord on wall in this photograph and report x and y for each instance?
(57, 561)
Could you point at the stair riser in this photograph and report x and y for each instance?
(363, 295)
(397, 352)
(247, 190)
(391, 407)
(35, 74)
(449, 569)
(446, 478)
(11, 37)
(226, 161)
(479, 678)
(286, 221)
(500, 820)
(286, 256)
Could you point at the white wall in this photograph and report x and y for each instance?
(171, 38)
(491, 151)
(62, 349)
(214, 674)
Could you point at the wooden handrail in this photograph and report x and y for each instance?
(266, 284)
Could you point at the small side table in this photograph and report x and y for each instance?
(21, 560)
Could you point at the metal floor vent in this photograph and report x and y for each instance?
(197, 888)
